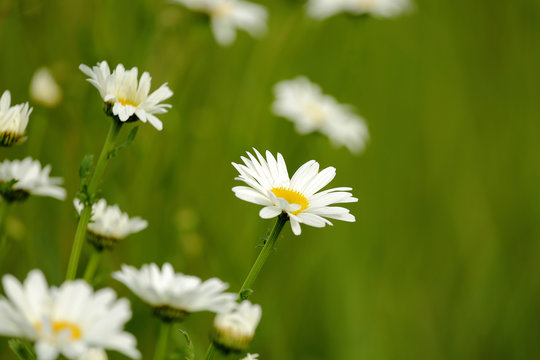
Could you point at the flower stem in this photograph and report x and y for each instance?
(163, 339)
(86, 213)
(92, 266)
(245, 292)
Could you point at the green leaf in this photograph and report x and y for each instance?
(190, 352)
(130, 138)
(22, 349)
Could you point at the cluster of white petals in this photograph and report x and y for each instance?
(44, 89)
(269, 185)
(128, 97)
(304, 103)
(163, 288)
(321, 9)
(71, 320)
(110, 222)
(13, 120)
(31, 178)
(229, 15)
(235, 329)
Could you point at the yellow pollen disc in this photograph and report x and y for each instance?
(126, 102)
(64, 325)
(292, 197)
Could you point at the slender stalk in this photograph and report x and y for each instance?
(92, 266)
(86, 213)
(163, 339)
(243, 294)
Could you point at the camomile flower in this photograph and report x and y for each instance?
(251, 357)
(299, 197)
(13, 120)
(127, 98)
(69, 320)
(109, 224)
(234, 330)
(44, 89)
(175, 295)
(321, 9)
(304, 103)
(31, 180)
(227, 16)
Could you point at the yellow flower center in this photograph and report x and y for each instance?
(315, 113)
(126, 102)
(292, 197)
(58, 326)
(223, 10)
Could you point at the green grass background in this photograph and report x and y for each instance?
(443, 260)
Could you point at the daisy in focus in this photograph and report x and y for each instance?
(322, 9)
(109, 224)
(299, 197)
(175, 295)
(304, 103)
(31, 180)
(44, 89)
(13, 120)
(234, 330)
(227, 16)
(127, 98)
(71, 320)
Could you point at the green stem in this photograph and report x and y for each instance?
(92, 266)
(163, 339)
(244, 292)
(86, 213)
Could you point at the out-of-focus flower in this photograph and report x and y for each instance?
(94, 354)
(127, 98)
(174, 295)
(229, 15)
(44, 89)
(321, 9)
(234, 330)
(109, 224)
(13, 120)
(304, 103)
(269, 185)
(69, 320)
(31, 180)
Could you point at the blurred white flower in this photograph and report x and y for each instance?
(229, 15)
(68, 320)
(31, 180)
(269, 185)
(321, 9)
(174, 295)
(251, 357)
(109, 224)
(127, 98)
(13, 120)
(94, 354)
(44, 89)
(234, 330)
(304, 103)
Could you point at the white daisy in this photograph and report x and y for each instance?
(304, 103)
(127, 98)
(229, 15)
(174, 295)
(109, 224)
(251, 357)
(69, 320)
(299, 197)
(44, 89)
(321, 9)
(234, 330)
(31, 180)
(13, 120)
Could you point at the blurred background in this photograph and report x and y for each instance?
(442, 262)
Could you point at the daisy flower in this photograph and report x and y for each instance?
(299, 197)
(174, 295)
(234, 330)
(109, 224)
(304, 103)
(13, 120)
(69, 320)
(44, 89)
(227, 16)
(31, 180)
(321, 9)
(126, 98)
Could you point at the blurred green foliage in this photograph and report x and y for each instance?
(442, 262)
